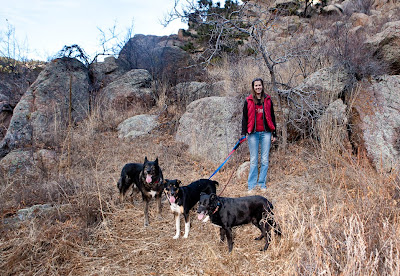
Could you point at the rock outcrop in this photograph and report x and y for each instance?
(187, 92)
(375, 121)
(59, 94)
(386, 45)
(137, 126)
(103, 73)
(211, 127)
(161, 56)
(131, 89)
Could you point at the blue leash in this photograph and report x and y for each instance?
(241, 140)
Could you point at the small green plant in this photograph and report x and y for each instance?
(188, 47)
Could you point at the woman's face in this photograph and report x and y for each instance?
(258, 87)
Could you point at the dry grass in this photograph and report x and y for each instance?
(337, 215)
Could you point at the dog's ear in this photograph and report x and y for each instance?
(156, 161)
(213, 197)
(145, 159)
(178, 182)
(165, 183)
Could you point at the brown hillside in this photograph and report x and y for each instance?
(336, 214)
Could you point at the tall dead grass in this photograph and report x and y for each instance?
(338, 215)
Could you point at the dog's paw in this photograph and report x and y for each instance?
(175, 237)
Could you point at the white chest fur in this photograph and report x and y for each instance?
(176, 208)
(153, 193)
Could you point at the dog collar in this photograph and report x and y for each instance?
(216, 209)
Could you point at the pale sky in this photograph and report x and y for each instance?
(45, 26)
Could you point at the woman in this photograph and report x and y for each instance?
(258, 124)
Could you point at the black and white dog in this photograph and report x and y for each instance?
(147, 178)
(229, 212)
(183, 198)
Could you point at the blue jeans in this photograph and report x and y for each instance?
(255, 140)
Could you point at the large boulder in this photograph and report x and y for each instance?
(137, 126)
(25, 162)
(131, 89)
(329, 83)
(375, 121)
(162, 59)
(59, 96)
(187, 92)
(19, 162)
(386, 45)
(103, 73)
(211, 127)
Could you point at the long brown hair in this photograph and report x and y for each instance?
(254, 92)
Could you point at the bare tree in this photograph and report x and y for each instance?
(12, 50)
(255, 23)
(112, 40)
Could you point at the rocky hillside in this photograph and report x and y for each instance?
(333, 175)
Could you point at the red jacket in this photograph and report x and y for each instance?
(249, 115)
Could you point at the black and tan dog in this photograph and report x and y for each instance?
(147, 178)
(229, 212)
(183, 198)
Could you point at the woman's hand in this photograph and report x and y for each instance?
(273, 139)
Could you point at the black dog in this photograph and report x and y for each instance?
(229, 212)
(147, 178)
(129, 176)
(182, 199)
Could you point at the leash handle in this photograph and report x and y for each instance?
(241, 140)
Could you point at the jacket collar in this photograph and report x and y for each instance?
(250, 97)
